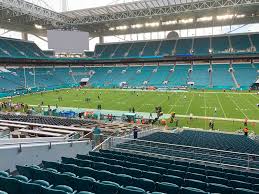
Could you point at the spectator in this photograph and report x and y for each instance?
(135, 132)
(96, 135)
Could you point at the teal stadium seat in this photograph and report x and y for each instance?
(65, 188)
(53, 191)
(146, 184)
(183, 46)
(168, 188)
(220, 44)
(240, 184)
(201, 46)
(69, 174)
(132, 190)
(173, 179)
(190, 190)
(26, 188)
(219, 188)
(195, 184)
(244, 191)
(85, 192)
(4, 174)
(218, 180)
(21, 178)
(42, 183)
(106, 187)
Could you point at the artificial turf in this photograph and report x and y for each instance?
(228, 104)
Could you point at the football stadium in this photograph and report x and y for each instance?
(129, 97)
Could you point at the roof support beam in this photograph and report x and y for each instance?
(157, 11)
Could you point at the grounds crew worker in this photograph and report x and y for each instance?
(246, 131)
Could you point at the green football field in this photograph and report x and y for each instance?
(238, 105)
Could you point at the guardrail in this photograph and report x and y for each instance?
(20, 145)
(192, 154)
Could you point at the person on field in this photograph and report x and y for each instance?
(246, 131)
(245, 122)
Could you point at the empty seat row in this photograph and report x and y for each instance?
(112, 187)
(140, 160)
(160, 174)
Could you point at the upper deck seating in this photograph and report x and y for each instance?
(15, 48)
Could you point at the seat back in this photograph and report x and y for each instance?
(168, 188)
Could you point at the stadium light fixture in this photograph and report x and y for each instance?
(137, 26)
(224, 17)
(186, 21)
(122, 27)
(153, 24)
(172, 22)
(38, 26)
(240, 16)
(111, 29)
(204, 19)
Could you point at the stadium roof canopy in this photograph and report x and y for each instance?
(20, 15)
(104, 20)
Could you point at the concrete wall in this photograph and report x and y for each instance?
(6, 141)
(30, 154)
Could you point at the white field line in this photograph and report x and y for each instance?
(221, 106)
(189, 104)
(237, 106)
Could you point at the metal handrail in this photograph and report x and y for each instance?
(189, 159)
(183, 151)
(35, 142)
(101, 144)
(186, 146)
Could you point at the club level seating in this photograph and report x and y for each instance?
(115, 172)
(14, 48)
(198, 46)
(89, 53)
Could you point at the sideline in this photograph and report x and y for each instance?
(144, 114)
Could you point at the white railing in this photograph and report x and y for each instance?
(236, 159)
(20, 145)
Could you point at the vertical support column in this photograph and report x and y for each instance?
(34, 77)
(25, 36)
(25, 80)
(64, 5)
(210, 75)
(101, 39)
(230, 63)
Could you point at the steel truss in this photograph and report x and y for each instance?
(30, 12)
(146, 9)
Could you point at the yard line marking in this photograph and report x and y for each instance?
(190, 104)
(180, 96)
(205, 110)
(221, 106)
(253, 105)
(237, 106)
(205, 123)
(255, 96)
